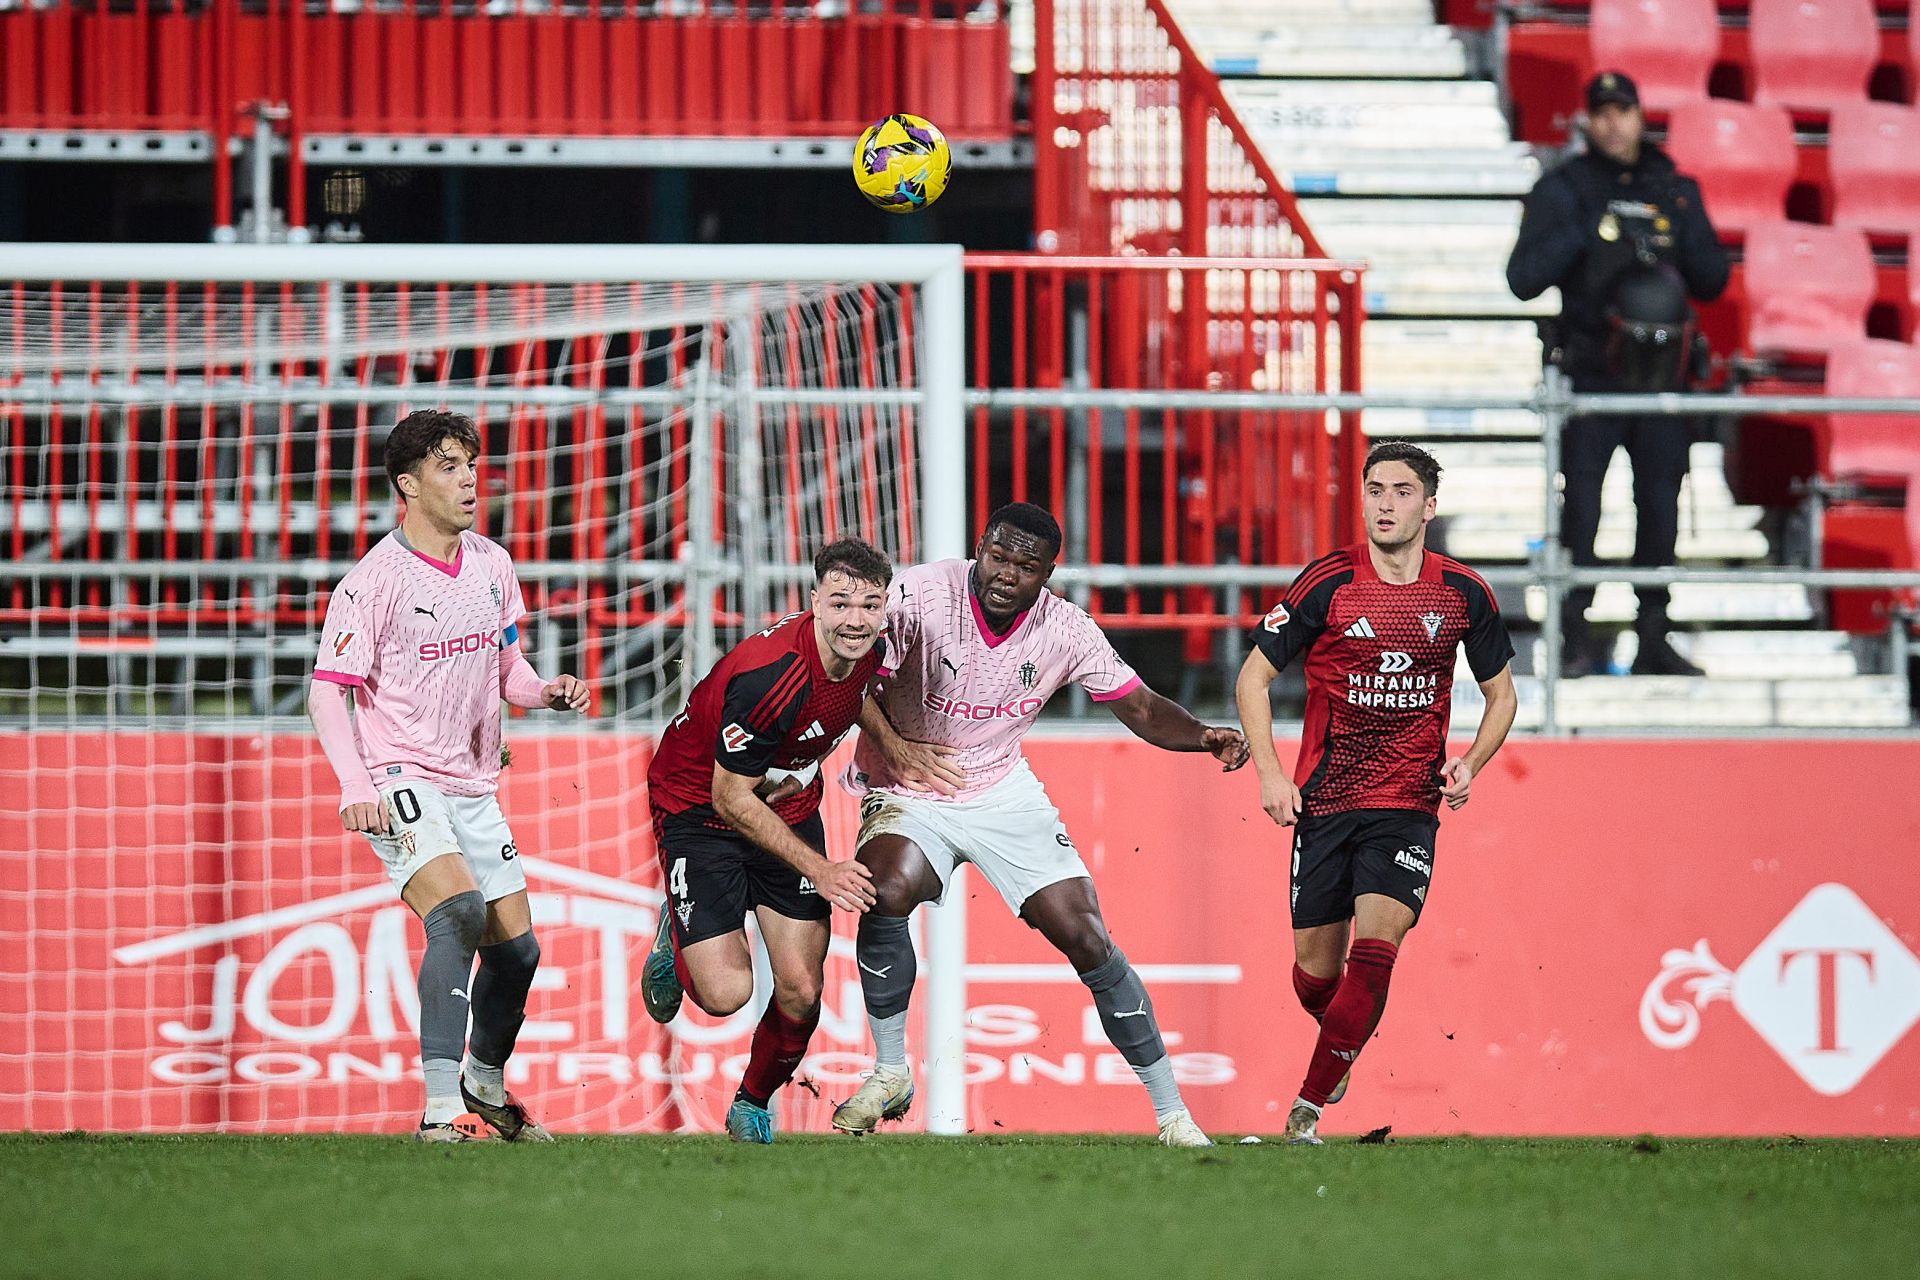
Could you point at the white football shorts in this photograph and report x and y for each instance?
(425, 824)
(1010, 831)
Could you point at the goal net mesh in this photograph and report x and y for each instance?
(186, 468)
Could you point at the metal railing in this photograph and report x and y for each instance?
(1183, 595)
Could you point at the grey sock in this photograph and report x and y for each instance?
(889, 1039)
(1161, 1090)
(884, 951)
(500, 997)
(1125, 1010)
(489, 1084)
(1127, 1014)
(446, 972)
(443, 1089)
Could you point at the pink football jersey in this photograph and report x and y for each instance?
(420, 642)
(956, 684)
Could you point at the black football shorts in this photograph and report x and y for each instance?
(1340, 856)
(715, 876)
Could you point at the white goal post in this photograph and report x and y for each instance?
(160, 528)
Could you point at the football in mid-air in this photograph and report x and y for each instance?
(901, 164)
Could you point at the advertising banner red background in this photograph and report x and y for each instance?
(1669, 936)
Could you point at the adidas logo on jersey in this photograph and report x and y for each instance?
(813, 731)
(1361, 629)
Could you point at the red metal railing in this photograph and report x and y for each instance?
(1163, 485)
(1136, 148)
(269, 480)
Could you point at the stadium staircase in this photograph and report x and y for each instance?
(1401, 155)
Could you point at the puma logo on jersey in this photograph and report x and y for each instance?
(1141, 1012)
(1361, 629)
(878, 973)
(463, 995)
(354, 596)
(813, 731)
(428, 612)
(948, 664)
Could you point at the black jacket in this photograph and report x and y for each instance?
(1582, 226)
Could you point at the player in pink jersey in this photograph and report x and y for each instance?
(977, 648)
(421, 643)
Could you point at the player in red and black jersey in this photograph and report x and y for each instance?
(735, 792)
(1379, 624)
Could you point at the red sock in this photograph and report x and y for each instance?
(1351, 1017)
(778, 1045)
(1315, 993)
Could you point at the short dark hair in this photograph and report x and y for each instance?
(1028, 518)
(420, 433)
(855, 557)
(1421, 462)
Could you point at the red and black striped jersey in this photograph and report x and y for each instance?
(767, 705)
(1379, 666)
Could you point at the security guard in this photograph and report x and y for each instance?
(1626, 239)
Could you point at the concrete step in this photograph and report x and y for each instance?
(1372, 121)
(1734, 655)
(1395, 424)
(1476, 543)
(1333, 53)
(1678, 702)
(1340, 95)
(1264, 14)
(1696, 604)
(1467, 357)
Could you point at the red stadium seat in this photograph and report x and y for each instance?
(1811, 55)
(1808, 287)
(1743, 157)
(1876, 444)
(1667, 46)
(1873, 153)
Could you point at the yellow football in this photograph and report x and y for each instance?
(902, 163)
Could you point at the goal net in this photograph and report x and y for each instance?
(190, 457)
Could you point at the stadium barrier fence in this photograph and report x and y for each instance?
(154, 812)
(1622, 937)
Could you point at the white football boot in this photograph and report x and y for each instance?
(1177, 1129)
(884, 1095)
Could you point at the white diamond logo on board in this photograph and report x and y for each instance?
(1831, 990)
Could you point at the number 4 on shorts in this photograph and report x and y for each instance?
(677, 879)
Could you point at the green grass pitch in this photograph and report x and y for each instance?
(1003, 1207)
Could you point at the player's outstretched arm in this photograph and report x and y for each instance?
(1171, 727)
(329, 707)
(847, 885)
(1278, 796)
(923, 766)
(1502, 705)
(522, 686)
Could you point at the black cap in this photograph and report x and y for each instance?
(1611, 86)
